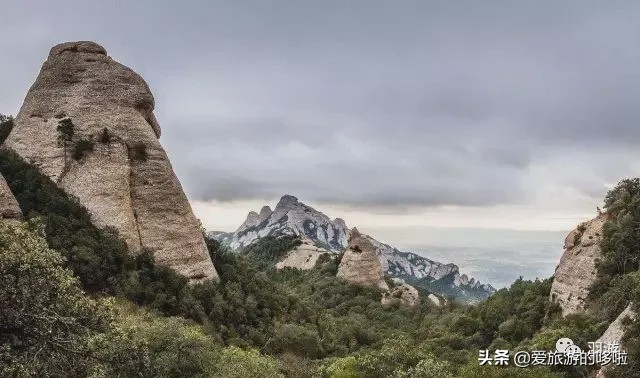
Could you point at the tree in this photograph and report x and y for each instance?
(621, 233)
(138, 152)
(82, 147)
(238, 363)
(65, 134)
(6, 125)
(105, 136)
(45, 318)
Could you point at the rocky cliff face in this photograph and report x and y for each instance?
(292, 217)
(613, 334)
(9, 208)
(107, 153)
(577, 271)
(360, 263)
(303, 257)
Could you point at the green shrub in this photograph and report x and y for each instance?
(45, 318)
(138, 152)
(105, 136)
(6, 125)
(66, 130)
(238, 363)
(144, 344)
(81, 147)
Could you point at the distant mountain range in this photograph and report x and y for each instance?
(292, 217)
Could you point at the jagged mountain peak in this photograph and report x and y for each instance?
(251, 221)
(265, 212)
(289, 217)
(287, 200)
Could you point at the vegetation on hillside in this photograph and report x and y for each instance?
(618, 283)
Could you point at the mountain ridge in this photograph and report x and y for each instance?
(294, 218)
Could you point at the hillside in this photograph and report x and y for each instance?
(314, 323)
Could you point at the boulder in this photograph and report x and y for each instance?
(360, 263)
(436, 300)
(406, 294)
(108, 155)
(577, 271)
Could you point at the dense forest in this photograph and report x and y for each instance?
(75, 302)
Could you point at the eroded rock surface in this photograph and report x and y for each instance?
(577, 271)
(613, 334)
(406, 294)
(436, 300)
(9, 208)
(616, 329)
(360, 263)
(126, 181)
(303, 257)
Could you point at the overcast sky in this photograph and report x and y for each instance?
(391, 114)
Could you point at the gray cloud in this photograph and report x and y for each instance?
(368, 103)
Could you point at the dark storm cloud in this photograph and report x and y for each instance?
(368, 103)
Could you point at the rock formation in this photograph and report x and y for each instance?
(251, 221)
(360, 263)
(436, 300)
(290, 217)
(9, 208)
(107, 153)
(613, 334)
(303, 257)
(406, 294)
(265, 213)
(577, 271)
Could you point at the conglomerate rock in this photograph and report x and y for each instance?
(110, 157)
(360, 263)
(577, 270)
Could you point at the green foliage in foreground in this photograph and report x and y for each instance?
(45, 318)
(50, 327)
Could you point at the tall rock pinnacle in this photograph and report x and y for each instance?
(107, 153)
(360, 264)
